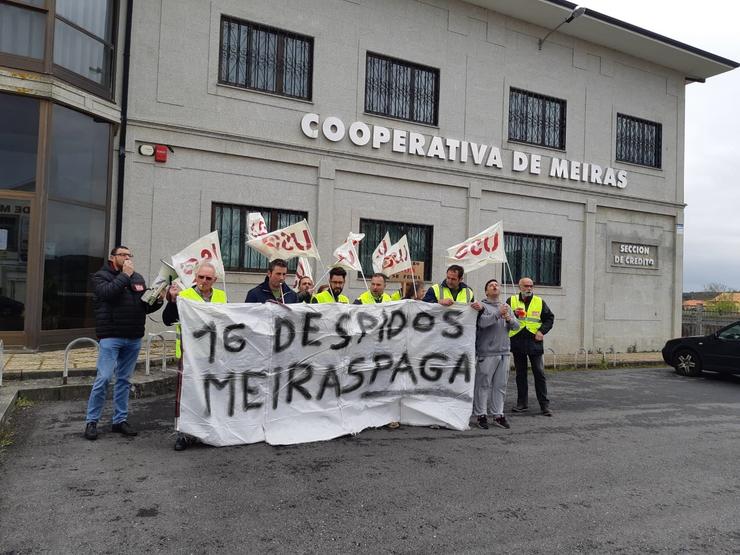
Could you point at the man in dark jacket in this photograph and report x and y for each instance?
(120, 316)
(528, 341)
(273, 288)
(452, 289)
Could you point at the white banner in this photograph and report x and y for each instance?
(380, 252)
(302, 270)
(289, 242)
(255, 225)
(345, 255)
(207, 248)
(398, 257)
(289, 374)
(475, 252)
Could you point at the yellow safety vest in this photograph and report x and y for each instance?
(367, 298)
(396, 296)
(531, 319)
(191, 294)
(463, 296)
(327, 297)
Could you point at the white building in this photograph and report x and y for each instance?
(432, 118)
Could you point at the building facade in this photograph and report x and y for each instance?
(435, 119)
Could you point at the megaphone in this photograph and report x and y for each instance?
(165, 276)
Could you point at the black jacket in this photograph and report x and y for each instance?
(262, 294)
(119, 311)
(523, 341)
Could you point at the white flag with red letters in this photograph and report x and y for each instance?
(302, 270)
(346, 256)
(398, 257)
(205, 249)
(288, 242)
(379, 253)
(475, 252)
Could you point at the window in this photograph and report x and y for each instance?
(230, 220)
(265, 59)
(19, 137)
(83, 35)
(75, 244)
(534, 256)
(419, 238)
(78, 36)
(536, 119)
(639, 141)
(401, 89)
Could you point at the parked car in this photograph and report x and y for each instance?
(717, 352)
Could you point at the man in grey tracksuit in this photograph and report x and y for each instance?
(495, 320)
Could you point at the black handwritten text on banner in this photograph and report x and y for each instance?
(297, 373)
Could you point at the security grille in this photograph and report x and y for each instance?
(401, 89)
(265, 59)
(536, 119)
(534, 256)
(230, 220)
(639, 141)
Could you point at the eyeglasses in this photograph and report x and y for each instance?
(124, 254)
(206, 278)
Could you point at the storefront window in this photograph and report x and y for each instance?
(19, 135)
(15, 217)
(78, 170)
(75, 242)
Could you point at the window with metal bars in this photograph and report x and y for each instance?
(639, 141)
(261, 58)
(230, 220)
(534, 256)
(401, 89)
(536, 119)
(418, 236)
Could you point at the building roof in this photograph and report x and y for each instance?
(727, 296)
(595, 27)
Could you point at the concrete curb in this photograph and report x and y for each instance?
(9, 395)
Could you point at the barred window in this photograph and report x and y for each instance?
(265, 59)
(639, 141)
(230, 220)
(536, 119)
(534, 256)
(419, 238)
(401, 89)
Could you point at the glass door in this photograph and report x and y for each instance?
(15, 224)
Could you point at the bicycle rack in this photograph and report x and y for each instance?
(148, 353)
(585, 357)
(554, 358)
(71, 344)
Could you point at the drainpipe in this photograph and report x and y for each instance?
(124, 122)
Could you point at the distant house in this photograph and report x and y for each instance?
(692, 304)
(727, 302)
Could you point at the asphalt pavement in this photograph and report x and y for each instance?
(633, 461)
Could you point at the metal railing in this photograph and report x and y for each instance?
(585, 356)
(612, 352)
(71, 344)
(554, 358)
(148, 353)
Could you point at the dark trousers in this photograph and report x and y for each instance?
(540, 382)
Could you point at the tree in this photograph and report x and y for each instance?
(716, 287)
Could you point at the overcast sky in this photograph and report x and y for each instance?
(712, 185)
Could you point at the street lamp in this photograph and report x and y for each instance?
(578, 11)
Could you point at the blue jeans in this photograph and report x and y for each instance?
(117, 355)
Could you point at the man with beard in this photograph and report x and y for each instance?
(528, 342)
(120, 316)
